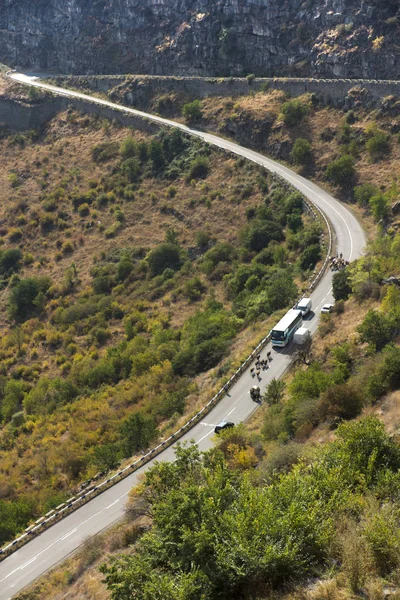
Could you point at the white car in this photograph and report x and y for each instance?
(327, 309)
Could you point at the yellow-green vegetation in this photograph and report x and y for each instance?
(222, 530)
(271, 507)
(129, 265)
(336, 147)
(212, 526)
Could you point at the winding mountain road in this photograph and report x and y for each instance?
(56, 543)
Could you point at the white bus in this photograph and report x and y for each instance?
(283, 332)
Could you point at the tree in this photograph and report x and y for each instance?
(341, 171)
(164, 256)
(379, 206)
(303, 353)
(295, 221)
(343, 401)
(131, 169)
(137, 432)
(302, 152)
(27, 296)
(376, 329)
(281, 290)
(13, 396)
(107, 456)
(274, 392)
(310, 256)
(156, 155)
(364, 192)
(341, 287)
(260, 233)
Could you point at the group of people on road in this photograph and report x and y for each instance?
(338, 263)
(260, 364)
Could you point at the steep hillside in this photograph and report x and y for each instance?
(136, 271)
(300, 504)
(332, 38)
(353, 151)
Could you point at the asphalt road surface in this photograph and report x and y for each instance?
(55, 544)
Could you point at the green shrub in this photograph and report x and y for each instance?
(112, 231)
(302, 152)
(377, 330)
(341, 287)
(67, 247)
(203, 239)
(194, 289)
(341, 171)
(310, 256)
(379, 206)
(259, 234)
(128, 147)
(15, 234)
(14, 392)
(105, 151)
(383, 535)
(27, 297)
(199, 168)
(164, 256)
(48, 394)
(378, 145)
(192, 111)
(84, 210)
(10, 261)
(131, 169)
(342, 401)
(293, 112)
(363, 193)
(220, 253)
(124, 268)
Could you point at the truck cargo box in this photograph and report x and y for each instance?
(301, 336)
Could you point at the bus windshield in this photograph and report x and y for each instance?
(277, 335)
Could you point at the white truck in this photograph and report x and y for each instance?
(304, 305)
(301, 336)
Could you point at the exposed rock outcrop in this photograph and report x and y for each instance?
(340, 38)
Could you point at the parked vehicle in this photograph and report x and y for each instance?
(391, 281)
(301, 336)
(223, 425)
(283, 332)
(327, 309)
(304, 306)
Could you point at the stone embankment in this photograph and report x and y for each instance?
(138, 90)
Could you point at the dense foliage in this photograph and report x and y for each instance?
(219, 532)
(101, 355)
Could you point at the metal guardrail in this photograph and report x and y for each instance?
(90, 491)
(74, 503)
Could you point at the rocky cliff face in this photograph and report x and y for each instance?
(339, 38)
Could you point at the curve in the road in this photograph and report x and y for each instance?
(54, 544)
